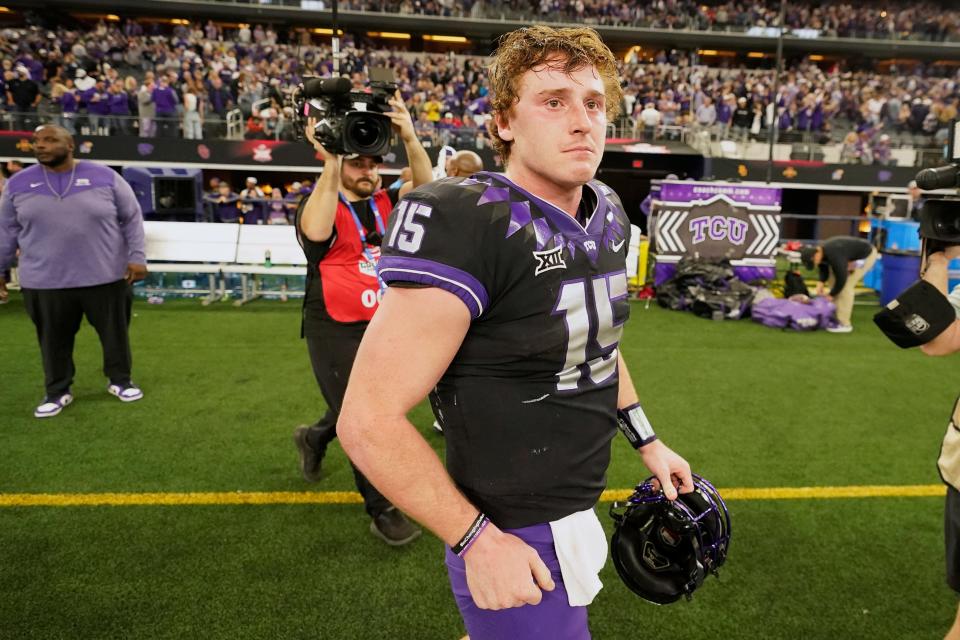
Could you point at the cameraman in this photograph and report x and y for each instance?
(340, 227)
(948, 341)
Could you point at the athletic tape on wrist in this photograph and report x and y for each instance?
(479, 524)
(635, 426)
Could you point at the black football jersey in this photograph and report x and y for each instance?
(528, 403)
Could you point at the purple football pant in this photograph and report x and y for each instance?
(553, 618)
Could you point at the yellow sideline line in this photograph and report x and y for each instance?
(352, 497)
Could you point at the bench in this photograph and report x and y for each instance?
(190, 247)
(254, 245)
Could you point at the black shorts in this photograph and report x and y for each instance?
(952, 531)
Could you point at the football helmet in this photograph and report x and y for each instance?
(664, 550)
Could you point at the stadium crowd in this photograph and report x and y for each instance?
(908, 20)
(123, 78)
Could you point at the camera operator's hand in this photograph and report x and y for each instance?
(402, 120)
(309, 133)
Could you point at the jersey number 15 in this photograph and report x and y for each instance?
(407, 233)
(586, 320)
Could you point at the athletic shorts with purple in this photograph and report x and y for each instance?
(553, 618)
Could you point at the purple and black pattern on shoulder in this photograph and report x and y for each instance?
(549, 226)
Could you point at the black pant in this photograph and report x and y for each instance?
(57, 314)
(333, 348)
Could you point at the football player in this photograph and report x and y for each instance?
(507, 298)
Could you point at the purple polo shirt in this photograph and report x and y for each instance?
(68, 102)
(99, 107)
(83, 240)
(119, 104)
(166, 101)
(86, 94)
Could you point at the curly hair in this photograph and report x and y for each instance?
(568, 49)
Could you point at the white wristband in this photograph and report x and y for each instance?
(635, 426)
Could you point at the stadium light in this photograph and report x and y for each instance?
(112, 17)
(816, 57)
(756, 54)
(637, 49)
(5, 10)
(458, 39)
(327, 32)
(392, 35)
(717, 54)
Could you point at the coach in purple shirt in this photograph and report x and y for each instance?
(80, 233)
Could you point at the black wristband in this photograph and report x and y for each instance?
(635, 426)
(479, 524)
(916, 316)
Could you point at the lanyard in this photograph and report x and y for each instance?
(381, 229)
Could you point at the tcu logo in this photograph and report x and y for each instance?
(719, 228)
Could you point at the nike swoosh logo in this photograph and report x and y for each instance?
(618, 246)
(34, 185)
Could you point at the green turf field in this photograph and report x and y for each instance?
(748, 406)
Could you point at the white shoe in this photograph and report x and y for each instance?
(49, 408)
(436, 425)
(126, 393)
(841, 328)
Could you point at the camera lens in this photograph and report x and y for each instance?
(364, 133)
(368, 134)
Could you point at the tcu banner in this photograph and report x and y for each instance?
(739, 222)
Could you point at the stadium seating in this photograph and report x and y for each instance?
(242, 75)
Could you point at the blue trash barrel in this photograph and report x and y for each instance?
(900, 270)
(953, 273)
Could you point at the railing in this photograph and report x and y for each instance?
(725, 141)
(118, 125)
(715, 141)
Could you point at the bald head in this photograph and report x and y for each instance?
(53, 146)
(464, 163)
(55, 130)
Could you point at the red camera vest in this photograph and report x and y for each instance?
(351, 292)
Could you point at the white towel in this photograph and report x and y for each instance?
(581, 547)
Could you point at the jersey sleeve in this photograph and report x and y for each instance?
(436, 237)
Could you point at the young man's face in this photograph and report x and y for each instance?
(558, 125)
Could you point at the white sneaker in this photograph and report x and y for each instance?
(841, 328)
(437, 427)
(51, 407)
(127, 393)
